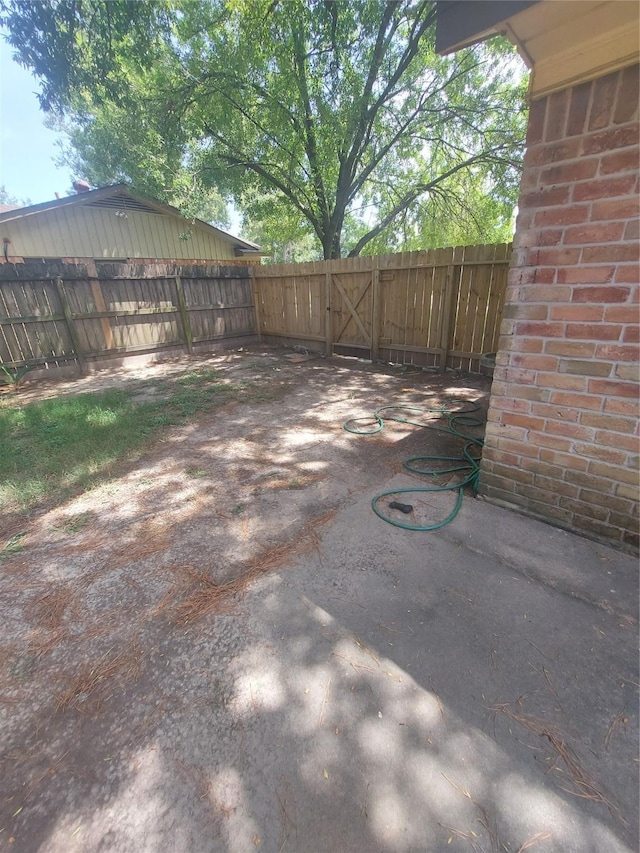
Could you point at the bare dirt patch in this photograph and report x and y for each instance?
(106, 585)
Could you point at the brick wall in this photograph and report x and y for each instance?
(562, 431)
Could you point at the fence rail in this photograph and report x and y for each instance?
(441, 307)
(55, 313)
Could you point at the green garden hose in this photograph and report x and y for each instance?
(468, 463)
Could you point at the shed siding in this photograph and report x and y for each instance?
(562, 433)
(90, 232)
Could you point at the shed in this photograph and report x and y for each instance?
(116, 223)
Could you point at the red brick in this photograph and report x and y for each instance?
(632, 230)
(628, 96)
(585, 275)
(582, 313)
(600, 294)
(564, 460)
(543, 330)
(603, 100)
(515, 344)
(586, 367)
(510, 473)
(573, 349)
(492, 455)
(507, 327)
(578, 477)
(552, 442)
(524, 239)
(622, 314)
(594, 513)
(619, 208)
(610, 423)
(563, 215)
(629, 372)
(624, 442)
(613, 472)
(535, 126)
(557, 106)
(578, 109)
(523, 421)
(554, 196)
(522, 448)
(600, 188)
(531, 275)
(598, 233)
(568, 431)
(556, 257)
(545, 293)
(568, 173)
(619, 161)
(555, 484)
(555, 413)
(516, 374)
(611, 388)
(631, 335)
(554, 152)
(616, 504)
(609, 140)
(622, 407)
(604, 454)
(524, 219)
(535, 362)
(524, 311)
(593, 331)
(507, 404)
(541, 469)
(628, 273)
(617, 253)
(562, 380)
(504, 431)
(617, 352)
(549, 237)
(577, 401)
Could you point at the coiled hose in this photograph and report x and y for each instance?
(457, 417)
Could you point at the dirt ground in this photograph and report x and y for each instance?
(136, 576)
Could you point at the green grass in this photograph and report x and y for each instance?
(58, 447)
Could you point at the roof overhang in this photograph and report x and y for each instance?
(465, 22)
(564, 42)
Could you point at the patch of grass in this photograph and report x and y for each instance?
(12, 546)
(194, 471)
(75, 523)
(57, 447)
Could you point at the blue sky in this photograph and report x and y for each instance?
(27, 147)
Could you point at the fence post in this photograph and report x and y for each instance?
(446, 317)
(256, 304)
(328, 320)
(375, 310)
(68, 316)
(184, 316)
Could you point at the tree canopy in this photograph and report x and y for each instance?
(332, 118)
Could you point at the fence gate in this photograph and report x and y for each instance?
(352, 305)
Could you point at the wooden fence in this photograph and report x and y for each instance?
(54, 313)
(438, 308)
(441, 307)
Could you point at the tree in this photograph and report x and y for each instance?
(7, 198)
(341, 109)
